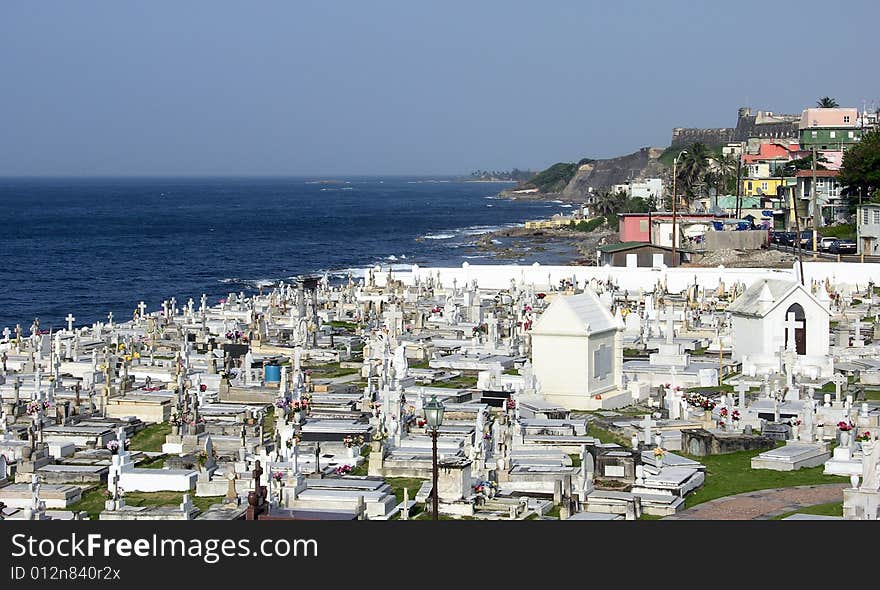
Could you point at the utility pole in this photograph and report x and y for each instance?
(738, 185)
(814, 190)
(674, 199)
(797, 225)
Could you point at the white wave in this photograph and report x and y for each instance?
(438, 236)
(392, 257)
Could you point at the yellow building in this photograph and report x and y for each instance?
(753, 187)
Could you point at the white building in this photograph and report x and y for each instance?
(645, 189)
(770, 312)
(577, 353)
(868, 229)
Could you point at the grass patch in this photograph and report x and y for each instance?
(331, 370)
(457, 383)
(632, 352)
(93, 501)
(725, 388)
(606, 436)
(830, 509)
(645, 516)
(575, 460)
(350, 326)
(151, 438)
(553, 513)
(398, 483)
(155, 463)
(872, 394)
(364, 467)
(732, 473)
(269, 422)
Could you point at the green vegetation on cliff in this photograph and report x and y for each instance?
(555, 178)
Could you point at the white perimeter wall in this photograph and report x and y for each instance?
(841, 274)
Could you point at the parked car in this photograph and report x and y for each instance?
(825, 243)
(843, 247)
(787, 238)
(807, 239)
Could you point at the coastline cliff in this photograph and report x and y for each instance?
(575, 181)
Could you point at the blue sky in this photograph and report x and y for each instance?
(409, 87)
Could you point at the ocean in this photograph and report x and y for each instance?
(92, 246)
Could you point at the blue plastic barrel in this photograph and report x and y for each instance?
(272, 373)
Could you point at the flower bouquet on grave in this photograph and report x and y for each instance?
(510, 403)
(277, 476)
(113, 446)
(378, 438)
(203, 388)
(845, 426)
(863, 436)
(487, 488)
(735, 416)
(282, 402)
(658, 452)
(724, 413)
(343, 470)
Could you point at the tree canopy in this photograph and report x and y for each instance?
(826, 102)
(860, 172)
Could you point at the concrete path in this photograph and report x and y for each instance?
(763, 504)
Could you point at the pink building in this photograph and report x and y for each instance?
(636, 227)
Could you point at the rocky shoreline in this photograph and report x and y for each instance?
(518, 242)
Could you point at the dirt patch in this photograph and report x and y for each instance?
(747, 259)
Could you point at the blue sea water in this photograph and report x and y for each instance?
(91, 246)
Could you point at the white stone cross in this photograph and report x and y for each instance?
(742, 388)
(110, 320)
(70, 319)
(670, 324)
(143, 308)
(791, 325)
(839, 380)
(646, 427)
(120, 437)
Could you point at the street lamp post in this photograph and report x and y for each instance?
(674, 199)
(434, 419)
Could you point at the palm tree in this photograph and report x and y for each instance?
(725, 171)
(692, 169)
(826, 102)
(608, 203)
